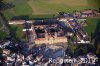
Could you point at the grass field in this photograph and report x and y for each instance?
(18, 30)
(33, 8)
(92, 24)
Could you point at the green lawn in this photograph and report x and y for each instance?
(17, 29)
(21, 8)
(92, 23)
(18, 32)
(47, 7)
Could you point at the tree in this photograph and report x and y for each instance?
(3, 35)
(1, 0)
(1, 51)
(4, 5)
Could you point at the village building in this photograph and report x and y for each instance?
(76, 28)
(6, 51)
(48, 32)
(15, 22)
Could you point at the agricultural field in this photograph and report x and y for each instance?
(55, 6)
(46, 8)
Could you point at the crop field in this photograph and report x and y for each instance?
(36, 8)
(55, 6)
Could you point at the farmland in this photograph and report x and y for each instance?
(46, 8)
